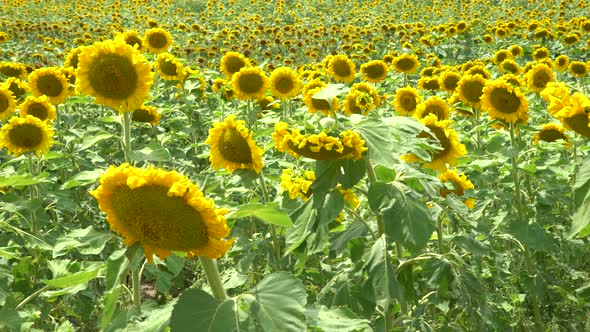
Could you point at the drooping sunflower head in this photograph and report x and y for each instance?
(7, 103)
(297, 185)
(285, 83)
(157, 40)
(232, 146)
(433, 105)
(163, 211)
(406, 100)
(315, 105)
(169, 67)
(448, 81)
(148, 114)
(49, 82)
(250, 83)
(538, 77)
(232, 62)
(470, 89)
(13, 69)
(73, 57)
(562, 62)
(17, 87)
(374, 71)
(268, 103)
(38, 107)
(575, 114)
(579, 68)
(132, 38)
(459, 182)
(368, 89)
(28, 134)
(406, 63)
(115, 74)
(504, 102)
(551, 132)
(341, 68)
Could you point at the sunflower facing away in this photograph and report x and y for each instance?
(285, 83)
(232, 146)
(250, 83)
(7, 103)
(38, 107)
(460, 183)
(341, 68)
(147, 114)
(232, 62)
(297, 186)
(169, 67)
(406, 100)
(28, 134)
(349, 145)
(163, 211)
(504, 102)
(551, 132)
(115, 74)
(557, 94)
(157, 40)
(374, 71)
(49, 82)
(446, 137)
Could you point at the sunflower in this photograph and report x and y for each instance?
(70, 75)
(21, 135)
(479, 70)
(297, 186)
(147, 114)
(13, 69)
(374, 71)
(17, 87)
(510, 66)
(575, 114)
(349, 145)
(516, 50)
(316, 83)
(73, 57)
(132, 38)
(433, 105)
(249, 83)
(50, 82)
(538, 77)
(38, 107)
(315, 105)
(358, 102)
(470, 89)
(115, 74)
(268, 103)
(557, 94)
(406, 100)
(562, 62)
(540, 53)
(7, 103)
(285, 83)
(232, 146)
(341, 68)
(502, 55)
(406, 63)
(551, 132)
(428, 83)
(169, 67)
(578, 68)
(514, 80)
(460, 183)
(504, 102)
(232, 62)
(446, 137)
(163, 211)
(157, 40)
(448, 81)
(368, 89)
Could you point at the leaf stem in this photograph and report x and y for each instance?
(32, 296)
(213, 277)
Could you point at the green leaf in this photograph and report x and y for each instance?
(581, 222)
(22, 180)
(379, 141)
(531, 235)
(333, 205)
(74, 279)
(327, 175)
(330, 92)
(270, 213)
(277, 303)
(82, 179)
(352, 172)
(196, 310)
(11, 319)
(304, 220)
(152, 152)
(380, 196)
(86, 241)
(382, 274)
(471, 245)
(117, 266)
(157, 319)
(94, 139)
(339, 319)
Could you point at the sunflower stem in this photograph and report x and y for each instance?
(213, 277)
(33, 192)
(136, 285)
(276, 247)
(439, 233)
(127, 136)
(477, 135)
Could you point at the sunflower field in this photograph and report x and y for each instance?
(290, 165)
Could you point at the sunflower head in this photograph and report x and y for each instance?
(575, 114)
(297, 185)
(562, 62)
(250, 83)
(17, 87)
(232, 146)
(406, 63)
(406, 100)
(28, 134)
(433, 105)
(7, 103)
(341, 68)
(551, 132)
(538, 77)
(316, 83)
(157, 40)
(232, 62)
(504, 102)
(132, 38)
(38, 107)
(148, 114)
(73, 57)
(13, 69)
(163, 211)
(169, 67)
(115, 74)
(579, 68)
(49, 82)
(470, 89)
(448, 81)
(374, 71)
(285, 83)
(459, 182)
(315, 105)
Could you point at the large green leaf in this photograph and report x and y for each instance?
(22, 180)
(95, 139)
(152, 152)
(196, 310)
(531, 235)
(270, 213)
(11, 320)
(337, 320)
(157, 319)
(581, 222)
(75, 279)
(378, 139)
(82, 179)
(277, 303)
(333, 205)
(382, 275)
(327, 176)
(86, 241)
(352, 172)
(304, 219)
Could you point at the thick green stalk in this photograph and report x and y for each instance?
(127, 136)
(276, 247)
(213, 277)
(33, 192)
(136, 286)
